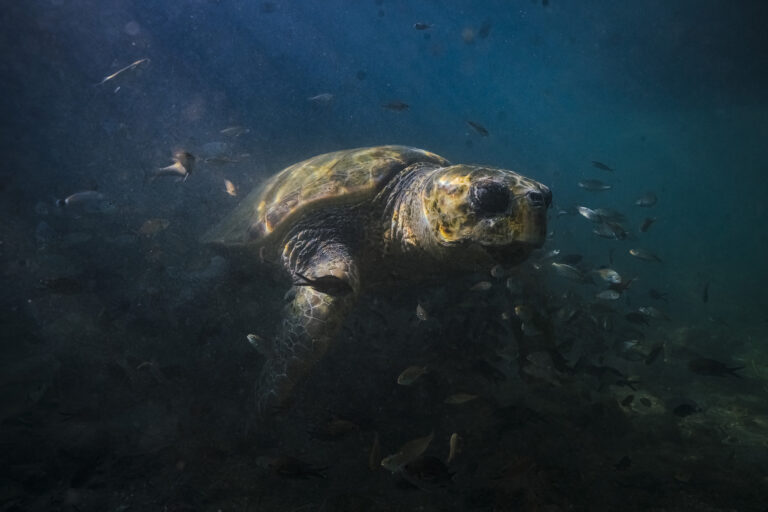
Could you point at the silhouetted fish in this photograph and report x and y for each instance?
(397, 106)
(646, 225)
(478, 128)
(601, 166)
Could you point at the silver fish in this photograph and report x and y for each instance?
(609, 214)
(86, 196)
(410, 375)
(608, 274)
(121, 70)
(234, 131)
(644, 255)
(323, 98)
(608, 295)
(647, 200)
(594, 185)
(454, 447)
(407, 453)
(589, 214)
(459, 398)
(611, 230)
(652, 312)
(569, 271)
(482, 286)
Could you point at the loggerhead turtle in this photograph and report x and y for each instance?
(350, 219)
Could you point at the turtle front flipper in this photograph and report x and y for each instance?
(326, 288)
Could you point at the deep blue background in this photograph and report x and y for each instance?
(672, 94)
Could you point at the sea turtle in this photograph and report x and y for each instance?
(350, 219)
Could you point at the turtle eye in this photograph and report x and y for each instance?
(489, 198)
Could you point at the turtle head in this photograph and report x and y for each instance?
(486, 211)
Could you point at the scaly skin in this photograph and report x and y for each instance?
(420, 224)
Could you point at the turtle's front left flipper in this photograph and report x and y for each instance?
(325, 291)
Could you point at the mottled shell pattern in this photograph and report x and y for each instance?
(338, 178)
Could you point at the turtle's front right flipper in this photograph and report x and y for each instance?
(323, 297)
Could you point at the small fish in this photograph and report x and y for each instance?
(514, 286)
(550, 254)
(182, 165)
(329, 284)
(258, 343)
(609, 275)
(397, 106)
(569, 272)
(422, 26)
(654, 353)
(610, 230)
(230, 188)
(647, 200)
(652, 312)
(410, 375)
(459, 398)
(374, 457)
(121, 70)
(152, 227)
(498, 271)
(321, 99)
(646, 225)
(482, 286)
(454, 447)
(478, 128)
(711, 367)
(594, 185)
(608, 295)
(705, 294)
(421, 313)
(589, 214)
(485, 29)
(408, 452)
(86, 196)
(644, 255)
(601, 166)
(609, 214)
(234, 131)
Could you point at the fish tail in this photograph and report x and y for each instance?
(732, 371)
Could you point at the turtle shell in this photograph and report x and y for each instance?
(338, 178)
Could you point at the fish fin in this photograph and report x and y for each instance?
(732, 371)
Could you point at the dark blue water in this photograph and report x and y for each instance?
(127, 380)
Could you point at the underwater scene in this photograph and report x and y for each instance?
(384, 255)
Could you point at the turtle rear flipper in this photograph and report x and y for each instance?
(310, 324)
